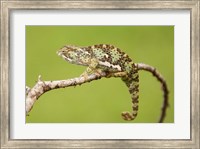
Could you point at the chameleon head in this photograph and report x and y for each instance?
(74, 54)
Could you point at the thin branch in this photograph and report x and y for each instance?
(43, 86)
(161, 79)
(32, 94)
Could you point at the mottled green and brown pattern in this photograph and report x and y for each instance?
(109, 59)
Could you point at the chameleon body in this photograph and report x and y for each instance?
(109, 59)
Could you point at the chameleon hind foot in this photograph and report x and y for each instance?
(128, 116)
(116, 74)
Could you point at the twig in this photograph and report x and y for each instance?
(160, 78)
(32, 94)
(43, 86)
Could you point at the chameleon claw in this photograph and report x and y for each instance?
(98, 73)
(85, 76)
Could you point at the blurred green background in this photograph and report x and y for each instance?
(100, 101)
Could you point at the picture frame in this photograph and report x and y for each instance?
(8, 6)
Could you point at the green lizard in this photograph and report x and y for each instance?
(109, 59)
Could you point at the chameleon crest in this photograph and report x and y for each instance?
(109, 59)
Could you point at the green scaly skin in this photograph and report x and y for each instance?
(109, 59)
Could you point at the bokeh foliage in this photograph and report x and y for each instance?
(100, 101)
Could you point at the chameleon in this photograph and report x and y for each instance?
(109, 59)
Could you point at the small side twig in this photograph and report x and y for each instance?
(27, 90)
(161, 79)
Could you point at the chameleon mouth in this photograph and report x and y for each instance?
(67, 59)
(59, 53)
(63, 56)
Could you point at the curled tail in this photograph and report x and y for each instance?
(132, 82)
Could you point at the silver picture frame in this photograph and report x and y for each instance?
(193, 6)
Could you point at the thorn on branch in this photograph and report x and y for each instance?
(27, 90)
(39, 78)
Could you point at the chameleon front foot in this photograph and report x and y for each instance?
(90, 71)
(85, 75)
(128, 116)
